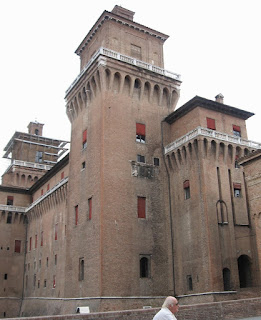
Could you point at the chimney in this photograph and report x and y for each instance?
(125, 13)
(220, 98)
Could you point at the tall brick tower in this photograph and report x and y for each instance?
(117, 229)
(214, 243)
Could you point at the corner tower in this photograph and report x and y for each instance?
(117, 229)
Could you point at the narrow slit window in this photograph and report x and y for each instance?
(17, 246)
(186, 186)
(81, 269)
(84, 139)
(76, 213)
(90, 208)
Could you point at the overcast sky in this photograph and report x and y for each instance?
(213, 44)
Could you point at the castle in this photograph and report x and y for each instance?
(149, 202)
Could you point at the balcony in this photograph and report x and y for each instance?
(8, 208)
(118, 56)
(200, 131)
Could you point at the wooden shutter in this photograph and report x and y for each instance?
(84, 136)
(211, 123)
(140, 129)
(236, 128)
(186, 184)
(142, 207)
(18, 246)
(237, 186)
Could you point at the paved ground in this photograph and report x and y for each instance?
(253, 318)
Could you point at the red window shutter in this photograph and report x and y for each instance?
(142, 207)
(41, 192)
(84, 136)
(62, 175)
(90, 208)
(211, 123)
(41, 238)
(237, 186)
(18, 246)
(76, 215)
(236, 128)
(48, 186)
(140, 129)
(186, 184)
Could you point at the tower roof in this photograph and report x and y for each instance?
(208, 104)
(119, 15)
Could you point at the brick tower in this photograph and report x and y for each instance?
(117, 230)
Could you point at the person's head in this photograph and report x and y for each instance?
(171, 303)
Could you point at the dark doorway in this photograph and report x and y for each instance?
(244, 269)
(226, 279)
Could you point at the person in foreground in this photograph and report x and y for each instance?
(168, 309)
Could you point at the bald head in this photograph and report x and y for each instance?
(171, 303)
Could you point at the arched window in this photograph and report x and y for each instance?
(244, 269)
(144, 266)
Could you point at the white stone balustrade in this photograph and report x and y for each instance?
(200, 131)
(8, 208)
(124, 58)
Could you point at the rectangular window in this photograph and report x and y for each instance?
(10, 200)
(18, 246)
(9, 218)
(39, 156)
(76, 214)
(62, 175)
(236, 131)
(54, 282)
(38, 284)
(40, 263)
(145, 261)
(89, 208)
(83, 165)
(35, 242)
(211, 123)
(30, 244)
(47, 262)
(41, 238)
(237, 190)
(84, 139)
(136, 52)
(140, 158)
(45, 282)
(189, 283)
(81, 269)
(41, 192)
(186, 187)
(55, 260)
(56, 231)
(140, 132)
(156, 162)
(48, 186)
(5, 276)
(141, 207)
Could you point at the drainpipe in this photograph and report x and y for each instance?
(170, 210)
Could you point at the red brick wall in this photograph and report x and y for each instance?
(234, 309)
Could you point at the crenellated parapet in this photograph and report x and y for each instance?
(152, 84)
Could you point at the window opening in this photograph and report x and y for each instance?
(144, 267)
(90, 208)
(84, 139)
(18, 246)
(236, 131)
(186, 186)
(56, 232)
(189, 283)
(10, 200)
(76, 213)
(211, 124)
(156, 162)
(81, 269)
(237, 190)
(5, 276)
(141, 207)
(39, 156)
(140, 158)
(140, 132)
(9, 218)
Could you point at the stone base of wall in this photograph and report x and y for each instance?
(235, 309)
